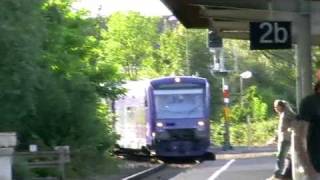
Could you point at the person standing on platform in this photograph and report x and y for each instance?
(309, 112)
(286, 117)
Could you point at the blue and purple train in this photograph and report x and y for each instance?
(167, 116)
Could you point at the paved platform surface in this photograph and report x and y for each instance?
(244, 152)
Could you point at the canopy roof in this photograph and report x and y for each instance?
(231, 17)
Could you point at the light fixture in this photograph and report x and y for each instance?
(159, 124)
(201, 123)
(177, 79)
(246, 75)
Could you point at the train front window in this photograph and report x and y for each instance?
(179, 103)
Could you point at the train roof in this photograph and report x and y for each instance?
(137, 88)
(173, 79)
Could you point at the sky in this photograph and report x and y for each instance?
(145, 7)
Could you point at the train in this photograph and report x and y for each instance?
(167, 116)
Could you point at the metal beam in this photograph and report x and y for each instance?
(235, 35)
(278, 5)
(232, 3)
(232, 25)
(249, 14)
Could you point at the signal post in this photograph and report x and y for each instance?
(226, 115)
(215, 45)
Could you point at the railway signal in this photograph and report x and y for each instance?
(226, 94)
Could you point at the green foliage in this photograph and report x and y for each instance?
(258, 109)
(244, 134)
(249, 123)
(200, 60)
(46, 172)
(94, 163)
(20, 170)
(199, 55)
(253, 134)
(217, 131)
(239, 134)
(130, 41)
(68, 97)
(253, 106)
(172, 52)
(160, 50)
(20, 52)
(268, 69)
(54, 73)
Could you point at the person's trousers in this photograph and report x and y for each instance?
(281, 158)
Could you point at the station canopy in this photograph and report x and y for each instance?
(231, 17)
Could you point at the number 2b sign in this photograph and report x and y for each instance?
(270, 35)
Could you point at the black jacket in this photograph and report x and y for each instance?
(310, 111)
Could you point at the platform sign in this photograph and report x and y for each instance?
(270, 35)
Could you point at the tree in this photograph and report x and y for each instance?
(172, 55)
(53, 76)
(20, 51)
(253, 106)
(76, 77)
(131, 39)
(201, 60)
(267, 67)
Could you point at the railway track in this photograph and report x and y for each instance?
(163, 171)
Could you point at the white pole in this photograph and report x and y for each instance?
(7, 143)
(241, 92)
(226, 143)
(304, 63)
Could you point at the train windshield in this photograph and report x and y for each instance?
(179, 103)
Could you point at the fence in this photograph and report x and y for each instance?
(47, 159)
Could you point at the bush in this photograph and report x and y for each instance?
(217, 130)
(239, 134)
(257, 134)
(264, 131)
(89, 162)
(20, 170)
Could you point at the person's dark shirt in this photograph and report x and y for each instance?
(310, 111)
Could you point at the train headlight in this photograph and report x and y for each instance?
(201, 123)
(159, 124)
(177, 79)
